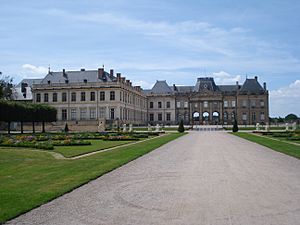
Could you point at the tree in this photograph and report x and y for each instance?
(181, 127)
(6, 86)
(291, 117)
(235, 127)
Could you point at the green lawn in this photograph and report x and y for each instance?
(31, 178)
(286, 148)
(70, 151)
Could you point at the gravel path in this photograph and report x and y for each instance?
(209, 178)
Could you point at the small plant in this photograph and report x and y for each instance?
(235, 127)
(181, 127)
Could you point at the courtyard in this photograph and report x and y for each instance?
(199, 178)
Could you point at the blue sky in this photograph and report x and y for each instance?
(176, 41)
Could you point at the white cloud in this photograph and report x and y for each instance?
(223, 77)
(143, 84)
(285, 100)
(35, 70)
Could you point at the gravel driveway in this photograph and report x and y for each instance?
(210, 178)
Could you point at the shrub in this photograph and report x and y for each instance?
(66, 128)
(71, 143)
(181, 127)
(120, 138)
(235, 127)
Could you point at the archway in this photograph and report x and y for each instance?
(216, 117)
(205, 117)
(196, 116)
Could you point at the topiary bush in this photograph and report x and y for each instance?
(235, 127)
(181, 127)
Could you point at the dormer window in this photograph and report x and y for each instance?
(66, 81)
(48, 81)
(85, 81)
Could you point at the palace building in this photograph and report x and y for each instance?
(88, 96)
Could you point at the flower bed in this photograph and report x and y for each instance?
(70, 142)
(120, 138)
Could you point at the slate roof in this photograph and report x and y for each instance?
(251, 85)
(229, 88)
(76, 77)
(160, 87)
(184, 89)
(205, 83)
(29, 82)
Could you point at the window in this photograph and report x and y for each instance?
(64, 114)
(38, 97)
(225, 115)
(102, 112)
(46, 97)
(64, 97)
(159, 117)
(82, 113)
(232, 116)
(186, 104)
(82, 96)
(168, 105)
(92, 113)
(102, 96)
(151, 117)
(151, 105)
(233, 104)
(253, 115)
(112, 95)
(225, 104)
(73, 96)
(178, 104)
(252, 103)
(112, 113)
(73, 114)
(54, 97)
(159, 105)
(92, 96)
(262, 116)
(168, 116)
(262, 103)
(121, 96)
(244, 103)
(205, 104)
(244, 116)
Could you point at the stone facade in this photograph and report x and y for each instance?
(95, 95)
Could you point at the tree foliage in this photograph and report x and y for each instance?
(6, 86)
(181, 127)
(11, 111)
(291, 117)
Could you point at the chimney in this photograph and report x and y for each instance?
(130, 84)
(111, 72)
(265, 86)
(118, 76)
(100, 73)
(255, 78)
(123, 79)
(82, 69)
(64, 71)
(127, 82)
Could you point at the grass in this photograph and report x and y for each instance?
(29, 179)
(277, 145)
(70, 151)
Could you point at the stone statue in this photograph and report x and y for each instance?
(257, 126)
(130, 128)
(294, 126)
(124, 127)
(286, 126)
(267, 127)
(149, 127)
(157, 128)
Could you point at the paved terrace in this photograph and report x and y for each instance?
(209, 178)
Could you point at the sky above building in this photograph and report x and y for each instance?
(146, 41)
